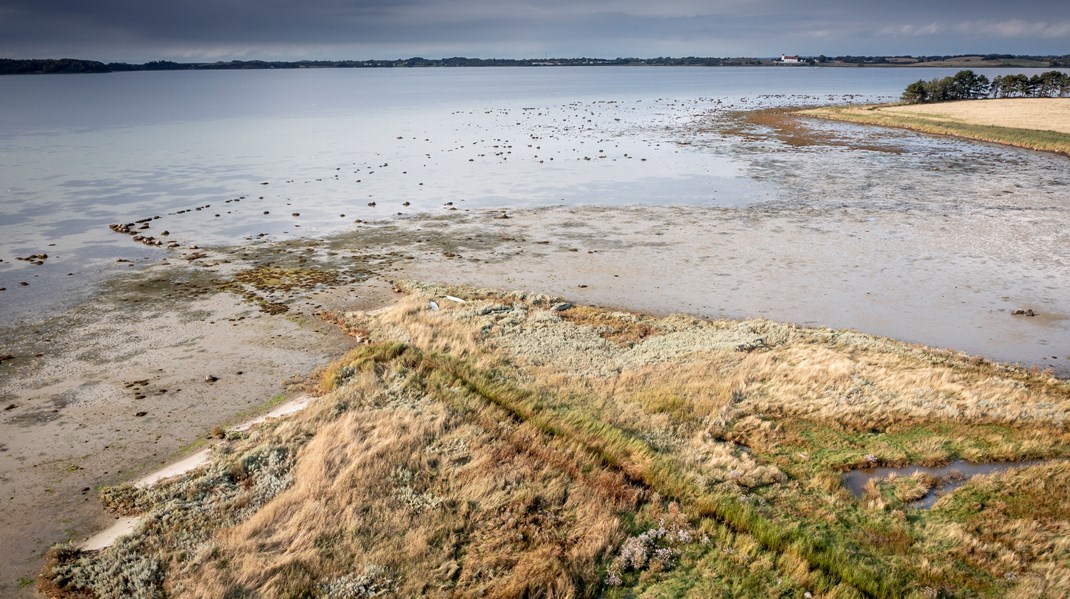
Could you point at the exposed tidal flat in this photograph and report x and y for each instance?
(660, 203)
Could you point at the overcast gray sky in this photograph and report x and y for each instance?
(140, 30)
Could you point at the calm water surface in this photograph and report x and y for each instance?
(250, 148)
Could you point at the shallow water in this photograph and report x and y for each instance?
(226, 157)
(950, 477)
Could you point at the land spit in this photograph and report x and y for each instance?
(481, 442)
(141, 374)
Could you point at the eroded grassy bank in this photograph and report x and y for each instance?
(515, 446)
(1033, 123)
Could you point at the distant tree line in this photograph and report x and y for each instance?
(63, 65)
(71, 65)
(967, 85)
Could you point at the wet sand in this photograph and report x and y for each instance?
(120, 388)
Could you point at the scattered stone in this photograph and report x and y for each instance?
(1026, 312)
(140, 414)
(10, 407)
(561, 307)
(582, 286)
(24, 284)
(210, 378)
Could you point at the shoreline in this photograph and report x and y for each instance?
(126, 524)
(438, 403)
(150, 339)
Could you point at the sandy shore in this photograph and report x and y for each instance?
(119, 387)
(116, 388)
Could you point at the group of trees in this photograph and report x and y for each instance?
(1044, 85)
(967, 85)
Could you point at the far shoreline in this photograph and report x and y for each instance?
(47, 66)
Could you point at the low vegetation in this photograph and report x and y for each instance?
(514, 446)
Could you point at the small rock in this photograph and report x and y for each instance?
(1027, 312)
(140, 414)
(210, 378)
(561, 307)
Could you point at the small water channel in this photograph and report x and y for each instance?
(948, 477)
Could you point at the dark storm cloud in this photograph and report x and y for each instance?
(141, 30)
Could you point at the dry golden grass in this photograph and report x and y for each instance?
(498, 447)
(1034, 123)
(1042, 114)
(434, 498)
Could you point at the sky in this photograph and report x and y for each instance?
(209, 30)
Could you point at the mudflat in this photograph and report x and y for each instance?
(123, 384)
